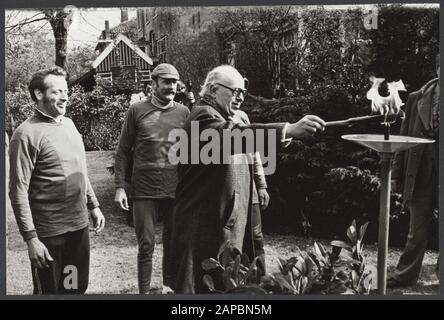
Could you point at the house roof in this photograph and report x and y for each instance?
(83, 77)
(114, 43)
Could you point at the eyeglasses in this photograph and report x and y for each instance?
(236, 91)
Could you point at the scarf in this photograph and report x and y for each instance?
(158, 103)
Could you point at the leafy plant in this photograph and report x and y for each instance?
(362, 277)
(317, 271)
(322, 272)
(237, 273)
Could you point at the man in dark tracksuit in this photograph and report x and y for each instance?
(415, 174)
(50, 191)
(145, 141)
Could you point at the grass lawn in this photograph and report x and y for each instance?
(113, 252)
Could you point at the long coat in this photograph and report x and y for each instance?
(207, 202)
(408, 164)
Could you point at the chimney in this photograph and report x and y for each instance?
(123, 15)
(106, 29)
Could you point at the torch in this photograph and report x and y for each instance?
(386, 105)
(388, 108)
(377, 118)
(386, 146)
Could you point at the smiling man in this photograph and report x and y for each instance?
(50, 191)
(214, 200)
(144, 141)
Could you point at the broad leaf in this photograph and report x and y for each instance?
(338, 289)
(226, 274)
(311, 265)
(236, 268)
(355, 278)
(229, 284)
(243, 268)
(209, 264)
(283, 282)
(319, 249)
(281, 264)
(245, 261)
(351, 233)
(251, 270)
(290, 263)
(247, 289)
(222, 248)
(208, 280)
(227, 255)
(349, 259)
(341, 244)
(304, 285)
(342, 275)
(362, 231)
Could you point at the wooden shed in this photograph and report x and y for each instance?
(120, 56)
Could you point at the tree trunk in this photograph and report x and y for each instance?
(60, 22)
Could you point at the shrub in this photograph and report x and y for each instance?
(317, 271)
(323, 182)
(98, 115)
(19, 107)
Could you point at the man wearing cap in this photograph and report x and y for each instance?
(144, 138)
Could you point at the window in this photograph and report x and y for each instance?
(139, 19)
(152, 41)
(162, 48)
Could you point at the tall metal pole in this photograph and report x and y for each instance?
(384, 214)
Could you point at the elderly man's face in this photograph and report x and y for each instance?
(230, 92)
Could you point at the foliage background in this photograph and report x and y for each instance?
(321, 184)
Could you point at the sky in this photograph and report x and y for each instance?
(87, 24)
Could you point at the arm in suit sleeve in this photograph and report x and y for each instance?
(398, 162)
(271, 133)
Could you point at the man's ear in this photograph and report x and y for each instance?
(38, 94)
(213, 89)
(155, 84)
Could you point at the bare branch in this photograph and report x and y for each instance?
(10, 28)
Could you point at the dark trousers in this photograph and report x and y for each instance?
(146, 213)
(422, 205)
(258, 237)
(69, 272)
(410, 262)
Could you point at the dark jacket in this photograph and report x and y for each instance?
(407, 164)
(206, 197)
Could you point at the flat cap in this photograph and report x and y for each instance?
(165, 70)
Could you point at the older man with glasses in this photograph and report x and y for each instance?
(214, 201)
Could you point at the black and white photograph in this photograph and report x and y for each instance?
(222, 150)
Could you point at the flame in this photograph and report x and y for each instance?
(386, 105)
